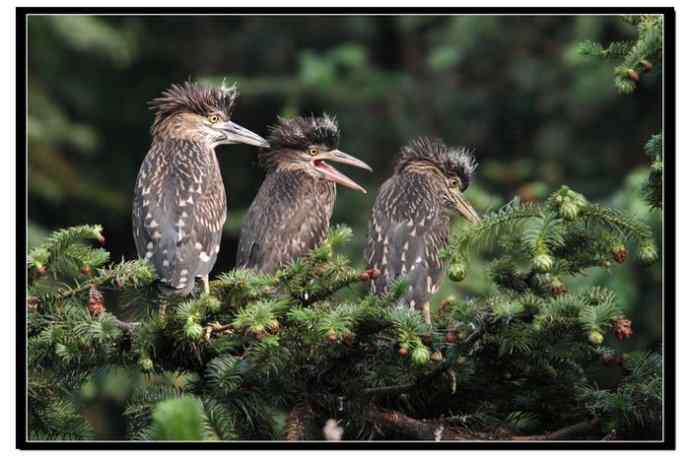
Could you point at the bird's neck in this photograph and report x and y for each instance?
(185, 145)
(294, 185)
(289, 166)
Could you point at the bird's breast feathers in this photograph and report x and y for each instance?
(179, 212)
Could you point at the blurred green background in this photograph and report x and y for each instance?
(513, 88)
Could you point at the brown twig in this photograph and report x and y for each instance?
(439, 429)
(567, 433)
(418, 429)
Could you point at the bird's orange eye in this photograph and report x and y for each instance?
(213, 118)
(313, 151)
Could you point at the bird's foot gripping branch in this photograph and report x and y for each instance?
(295, 355)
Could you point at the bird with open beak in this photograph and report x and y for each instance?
(179, 204)
(292, 210)
(411, 219)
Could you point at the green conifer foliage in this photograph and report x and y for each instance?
(633, 58)
(265, 357)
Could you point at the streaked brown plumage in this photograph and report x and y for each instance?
(179, 204)
(410, 221)
(291, 213)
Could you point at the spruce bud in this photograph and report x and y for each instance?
(596, 338)
(542, 263)
(457, 271)
(421, 356)
(648, 253)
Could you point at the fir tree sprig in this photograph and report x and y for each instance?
(633, 57)
(257, 345)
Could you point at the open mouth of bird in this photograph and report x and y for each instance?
(334, 175)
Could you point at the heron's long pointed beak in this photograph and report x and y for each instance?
(332, 174)
(466, 209)
(235, 133)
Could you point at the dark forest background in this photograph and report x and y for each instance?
(513, 88)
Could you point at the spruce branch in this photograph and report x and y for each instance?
(255, 344)
(441, 430)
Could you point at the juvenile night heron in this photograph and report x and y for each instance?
(410, 221)
(179, 199)
(292, 210)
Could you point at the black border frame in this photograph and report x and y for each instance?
(669, 244)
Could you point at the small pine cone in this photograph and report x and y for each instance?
(374, 273)
(364, 276)
(332, 338)
(273, 326)
(101, 239)
(348, 339)
(452, 337)
(633, 75)
(259, 335)
(95, 304)
(611, 359)
(371, 274)
(646, 65)
(557, 287)
(427, 339)
(436, 356)
(622, 328)
(85, 270)
(40, 269)
(558, 290)
(619, 253)
(403, 351)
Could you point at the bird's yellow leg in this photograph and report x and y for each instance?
(207, 289)
(426, 311)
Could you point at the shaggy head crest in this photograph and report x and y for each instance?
(195, 98)
(452, 161)
(303, 132)
(300, 133)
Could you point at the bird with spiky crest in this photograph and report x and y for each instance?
(411, 219)
(179, 199)
(291, 213)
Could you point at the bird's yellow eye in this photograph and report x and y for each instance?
(213, 118)
(313, 151)
(454, 183)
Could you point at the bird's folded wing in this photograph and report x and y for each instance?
(179, 219)
(279, 227)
